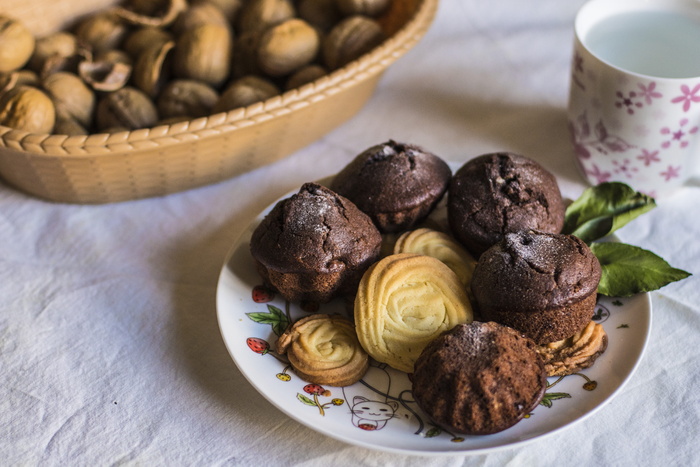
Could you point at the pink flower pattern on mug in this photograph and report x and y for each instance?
(636, 99)
(649, 157)
(599, 139)
(671, 172)
(680, 135)
(627, 102)
(688, 96)
(633, 100)
(649, 92)
(601, 176)
(577, 67)
(625, 168)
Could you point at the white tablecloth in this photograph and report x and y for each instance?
(110, 351)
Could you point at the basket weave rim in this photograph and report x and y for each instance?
(364, 67)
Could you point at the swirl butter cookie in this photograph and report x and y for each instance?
(430, 242)
(405, 301)
(324, 349)
(575, 353)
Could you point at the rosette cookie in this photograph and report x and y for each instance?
(324, 349)
(405, 301)
(439, 245)
(575, 353)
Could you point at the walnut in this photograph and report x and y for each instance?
(304, 76)
(190, 98)
(126, 108)
(204, 54)
(100, 32)
(245, 55)
(144, 37)
(28, 109)
(229, 8)
(54, 46)
(288, 46)
(321, 14)
(150, 70)
(372, 8)
(68, 126)
(149, 13)
(349, 39)
(199, 14)
(256, 15)
(16, 44)
(244, 92)
(71, 96)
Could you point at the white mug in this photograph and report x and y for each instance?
(634, 101)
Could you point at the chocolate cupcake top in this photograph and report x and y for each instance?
(479, 378)
(498, 193)
(537, 270)
(315, 230)
(393, 177)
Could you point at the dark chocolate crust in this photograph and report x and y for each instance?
(545, 285)
(396, 184)
(479, 378)
(498, 193)
(314, 245)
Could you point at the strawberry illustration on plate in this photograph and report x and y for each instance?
(316, 390)
(258, 345)
(262, 294)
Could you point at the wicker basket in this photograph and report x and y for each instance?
(104, 168)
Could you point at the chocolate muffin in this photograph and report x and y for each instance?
(542, 284)
(396, 184)
(314, 245)
(498, 193)
(479, 378)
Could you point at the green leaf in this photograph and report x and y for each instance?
(305, 400)
(433, 432)
(552, 396)
(628, 270)
(275, 317)
(604, 208)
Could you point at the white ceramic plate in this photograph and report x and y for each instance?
(378, 412)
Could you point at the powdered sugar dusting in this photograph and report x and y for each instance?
(308, 217)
